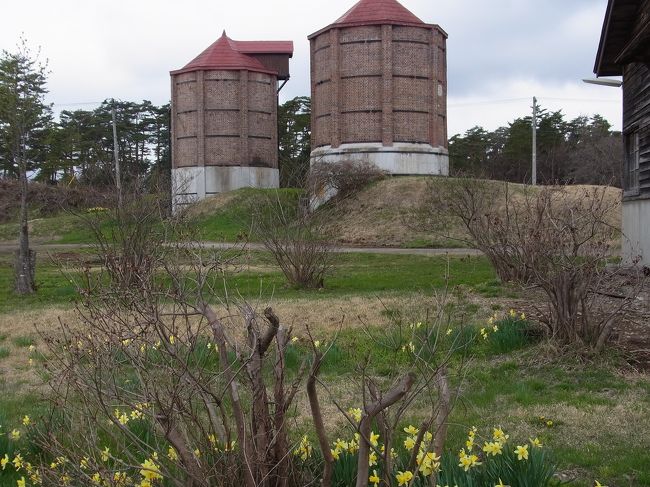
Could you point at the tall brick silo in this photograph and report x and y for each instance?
(224, 118)
(379, 90)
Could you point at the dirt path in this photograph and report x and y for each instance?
(7, 247)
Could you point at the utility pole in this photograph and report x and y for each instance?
(116, 154)
(534, 177)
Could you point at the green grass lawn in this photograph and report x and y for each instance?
(353, 274)
(599, 408)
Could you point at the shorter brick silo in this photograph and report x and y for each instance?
(379, 90)
(224, 118)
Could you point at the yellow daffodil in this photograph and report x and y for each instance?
(403, 478)
(150, 471)
(339, 444)
(598, 484)
(536, 443)
(549, 423)
(374, 478)
(467, 461)
(171, 454)
(335, 453)
(428, 463)
(495, 328)
(449, 330)
(172, 339)
(374, 438)
(21, 482)
(83, 465)
(411, 430)
(372, 458)
(523, 316)
(493, 448)
(522, 452)
(355, 413)
(512, 313)
(105, 454)
(15, 435)
(409, 443)
(26, 420)
(4, 461)
(304, 449)
(499, 435)
(18, 462)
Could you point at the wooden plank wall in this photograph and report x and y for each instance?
(636, 116)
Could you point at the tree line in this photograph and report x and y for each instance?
(584, 150)
(78, 147)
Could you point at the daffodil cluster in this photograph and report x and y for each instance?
(304, 450)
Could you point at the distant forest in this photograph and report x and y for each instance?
(584, 150)
(78, 147)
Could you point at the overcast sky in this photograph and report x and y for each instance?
(500, 53)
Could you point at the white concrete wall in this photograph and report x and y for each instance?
(398, 159)
(636, 231)
(402, 159)
(191, 184)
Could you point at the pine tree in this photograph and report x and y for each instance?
(23, 115)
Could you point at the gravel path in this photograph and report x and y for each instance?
(6, 247)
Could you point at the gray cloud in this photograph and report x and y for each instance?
(501, 49)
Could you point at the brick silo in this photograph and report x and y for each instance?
(224, 118)
(379, 90)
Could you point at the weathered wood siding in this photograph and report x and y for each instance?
(636, 117)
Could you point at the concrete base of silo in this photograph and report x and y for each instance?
(400, 159)
(397, 159)
(192, 184)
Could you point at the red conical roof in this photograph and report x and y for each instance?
(378, 11)
(375, 12)
(224, 54)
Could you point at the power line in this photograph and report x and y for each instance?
(596, 100)
(487, 102)
(550, 98)
(77, 103)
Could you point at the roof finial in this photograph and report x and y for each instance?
(224, 33)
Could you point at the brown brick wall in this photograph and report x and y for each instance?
(222, 151)
(233, 121)
(186, 152)
(379, 84)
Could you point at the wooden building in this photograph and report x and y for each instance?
(625, 51)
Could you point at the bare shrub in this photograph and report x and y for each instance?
(297, 240)
(165, 382)
(128, 240)
(343, 178)
(47, 200)
(557, 238)
(483, 209)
